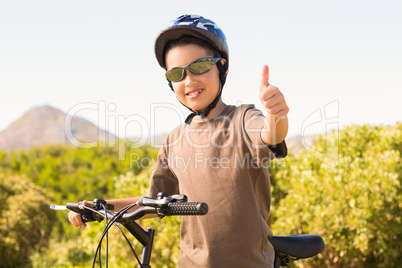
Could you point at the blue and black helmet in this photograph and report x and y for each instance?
(191, 25)
(201, 28)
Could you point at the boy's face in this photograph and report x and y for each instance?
(194, 91)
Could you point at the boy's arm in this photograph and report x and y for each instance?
(276, 128)
(76, 219)
(121, 203)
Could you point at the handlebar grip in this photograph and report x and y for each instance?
(186, 208)
(74, 207)
(86, 214)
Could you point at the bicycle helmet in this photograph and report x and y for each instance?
(201, 28)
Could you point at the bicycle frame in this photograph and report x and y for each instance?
(145, 237)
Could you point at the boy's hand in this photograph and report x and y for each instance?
(272, 98)
(76, 219)
(274, 103)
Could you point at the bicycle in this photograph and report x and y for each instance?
(287, 248)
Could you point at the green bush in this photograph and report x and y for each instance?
(347, 188)
(71, 174)
(25, 220)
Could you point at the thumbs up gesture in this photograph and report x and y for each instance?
(271, 97)
(277, 109)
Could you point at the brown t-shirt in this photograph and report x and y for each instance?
(224, 163)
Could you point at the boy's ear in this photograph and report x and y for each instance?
(223, 61)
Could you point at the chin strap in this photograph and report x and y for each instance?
(222, 77)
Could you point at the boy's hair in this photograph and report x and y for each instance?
(191, 40)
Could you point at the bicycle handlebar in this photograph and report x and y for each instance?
(164, 205)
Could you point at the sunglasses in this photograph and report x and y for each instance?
(199, 66)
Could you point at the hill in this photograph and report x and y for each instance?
(48, 125)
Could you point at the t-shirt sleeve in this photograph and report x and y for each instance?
(253, 122)
(162, 178)
(280, 150)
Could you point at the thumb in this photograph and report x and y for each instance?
(265, 76)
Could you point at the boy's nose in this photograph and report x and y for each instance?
(189, 77)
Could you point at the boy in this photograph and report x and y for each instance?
(219, 154)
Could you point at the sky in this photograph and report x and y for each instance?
(336, 62)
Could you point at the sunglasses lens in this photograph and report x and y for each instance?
(174, 74)
(198, 67)
(202, 66)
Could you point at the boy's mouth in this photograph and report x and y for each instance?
(194, 93)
